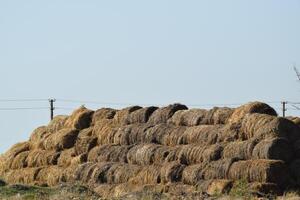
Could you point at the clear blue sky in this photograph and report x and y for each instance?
(146, 52)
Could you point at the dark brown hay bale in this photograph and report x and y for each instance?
(57, 123)
(266, 126)
(131, 134)
(20, 161)
(191, 117)
(252, 107)
(63, 139)
(121, 115)
(148, 175)
(218, 169)
(272, 171)
(264, 189)
(85, 141)
(171, 172)
(275, 149)
(296, 148)
(140, 116)
(37, 136)
(295, 172)
(109, 153)
(66, 157)
(240, 149)
(193, 174)
(21, 176)
(103, 113)
(203, 134)
(50, 176)
(81, 118)
(41, 158)
(162, 115)
(193, 154)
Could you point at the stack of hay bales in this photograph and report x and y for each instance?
(168, 149)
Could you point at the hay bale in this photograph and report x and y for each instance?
(265, 171)
(249, 108)
(218, 169)
(294, 171)
(240, 149)
(63, 139)
(57, 123)
(159, 134)
(81, 118)
(85, 141)
(105, 130)
(193, 154)
(266, 126)
(66, 157)
(219, 186)
(103, 113)
(50, 176)
(79, 159)
(265, 189)
(162, 115)
(41, 158)
(275, 149)
(140, 116)
(175, 137)
(203, 134)
(192, 174)
(147, 175)
(21, 176)
(171, 172)
(178, 189)
(191, 117)
(37, 137)
(105, 190)
(121, 173)
(121, 115)
(296, 120)
(20, 161)
(109, 153)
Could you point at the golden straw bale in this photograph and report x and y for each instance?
(109, 153)
(63, 139)
(50, 176)
(162, 115)
(275, 149)
(159, 133)
(218, 169)
(37, 137)
(79, 159)
(103, 113)
(85, 141)
(21, 176)
(192, 174)
(121, 115)
(203, 134)
(121, 173)
(105, 130)
(81, 118)
(191, 117)
(57, 123)
(249, 108)
(171, 172)
(143, 154)
(175, 137)
(272, 171)
(20, 161)
(149, 174)
(240, 149)
(267, 126)
(66, 157)
(41, 158)
(140, 116)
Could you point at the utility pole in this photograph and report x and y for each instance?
(283, 108)
(51, 101)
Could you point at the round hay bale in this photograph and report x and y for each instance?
(203, 134)
(121, 173)
(266, 126)
(191, 117)
(37, 137)
(50, 176)
(140, 116)
(296, 148)
(294, 171)
(178, 189)
(265, 171)
(171, 172)
(105, 130)
(63, 139)
(162, 115)
(252, 107)
(219, 187)
(57, 123)
(81, 118)
(275, 149)
(21, 176)
(147, 175)
(175, 137)
(41, 158)
(85, 141)
(121, 115)
(79, 159)
(192, 174)
(103, 113)
(66, 157)
(159, 133)
(218, 169)
(239, 149)
(109, 153)
(20, 161)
